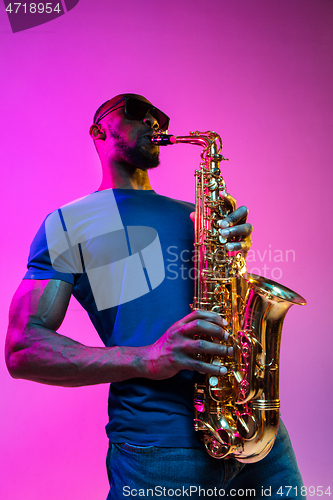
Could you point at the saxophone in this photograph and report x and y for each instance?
(237, 413)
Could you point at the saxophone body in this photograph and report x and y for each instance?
(237, 413)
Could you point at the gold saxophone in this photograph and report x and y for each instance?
(237, 413)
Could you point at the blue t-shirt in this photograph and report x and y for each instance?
(128, 254)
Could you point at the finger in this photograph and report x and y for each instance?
(209, 368)
(236, 217)
(241, 231)
(202, 346)
(192, 216)
(243, 246)
(203, 328)
(203, 315)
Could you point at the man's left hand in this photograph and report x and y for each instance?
(235, 229)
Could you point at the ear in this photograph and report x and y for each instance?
(97, 132)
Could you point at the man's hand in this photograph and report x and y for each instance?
(178, 350)
(35, 351)
(235, 229)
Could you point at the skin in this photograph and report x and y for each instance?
(117, 172)
(35, 351)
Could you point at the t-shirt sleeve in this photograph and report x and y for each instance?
(51, 254)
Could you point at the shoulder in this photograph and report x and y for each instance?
(182, 205)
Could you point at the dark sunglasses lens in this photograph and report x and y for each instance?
(136, 109)
(163, 120)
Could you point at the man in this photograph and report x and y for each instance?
(120, 252)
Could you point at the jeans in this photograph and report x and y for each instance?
(153, 472)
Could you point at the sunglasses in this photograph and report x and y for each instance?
(138, 110)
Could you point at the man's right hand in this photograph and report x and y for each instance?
(178, 349)
(35, 351)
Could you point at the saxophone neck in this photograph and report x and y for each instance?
(206, 140)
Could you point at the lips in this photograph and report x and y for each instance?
(147, 137)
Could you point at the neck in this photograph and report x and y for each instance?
(124, 176)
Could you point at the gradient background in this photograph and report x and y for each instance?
(257, 71)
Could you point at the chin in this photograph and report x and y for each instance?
(145, 160)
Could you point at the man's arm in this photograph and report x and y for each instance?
(35, 351)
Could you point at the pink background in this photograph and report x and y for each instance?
(257, 71)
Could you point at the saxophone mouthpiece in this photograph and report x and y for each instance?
(163, 139)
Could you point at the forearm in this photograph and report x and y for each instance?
(50, 358)
(35, 351)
